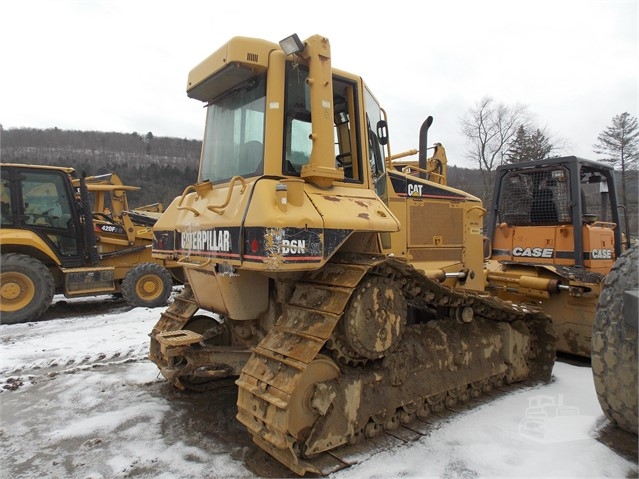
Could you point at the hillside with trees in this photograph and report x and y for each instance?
(161, 166)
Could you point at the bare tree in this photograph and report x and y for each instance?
(489, 128)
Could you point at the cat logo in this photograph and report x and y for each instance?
(414, 190)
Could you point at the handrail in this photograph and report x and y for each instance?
(408, 170)
(604, 224)
(189, 208)
(219, 208)
(186, 191)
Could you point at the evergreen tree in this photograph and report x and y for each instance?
(517, 147)
(619, 144)
(147, 140)
(528, 147)
(540, 146)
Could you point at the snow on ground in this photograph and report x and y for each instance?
(80, 400)
(73, 342)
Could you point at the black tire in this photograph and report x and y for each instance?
(614, 345)
(147, 285)
(27, 288)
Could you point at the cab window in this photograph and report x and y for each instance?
(47, 203)
(234, 134)
(298, 127)
(375, 150)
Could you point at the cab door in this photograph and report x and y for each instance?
(43, 201)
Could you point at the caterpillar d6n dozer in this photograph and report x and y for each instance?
(348, 283)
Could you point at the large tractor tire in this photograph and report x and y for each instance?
(27, 288)
(614, 343)
(147, 285)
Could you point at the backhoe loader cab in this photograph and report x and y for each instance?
(348, 289)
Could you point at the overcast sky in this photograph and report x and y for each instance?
(123, 65)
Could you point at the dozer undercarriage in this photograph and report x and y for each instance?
(360, 346)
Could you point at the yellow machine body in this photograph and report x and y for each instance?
(347, 283)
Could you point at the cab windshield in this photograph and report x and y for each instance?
(234, 134)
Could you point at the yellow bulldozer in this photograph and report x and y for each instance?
(347, 283)
(76, 236)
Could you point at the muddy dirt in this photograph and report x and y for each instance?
(211, 415)
(60, 428)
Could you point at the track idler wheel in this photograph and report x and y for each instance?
(311, 397)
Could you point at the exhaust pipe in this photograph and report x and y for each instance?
(423, 145)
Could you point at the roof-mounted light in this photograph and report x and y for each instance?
(292, 44)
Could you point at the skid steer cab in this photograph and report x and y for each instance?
(555, 231)
(54, 242)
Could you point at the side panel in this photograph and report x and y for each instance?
(554, 245)
(441, 227)
(190, 230)
(282, 229)
(599, 248)
(359, 210)
(539, 244)
(238, 296)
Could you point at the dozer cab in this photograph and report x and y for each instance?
(347, 283)
(555, 231)
(57, 238)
